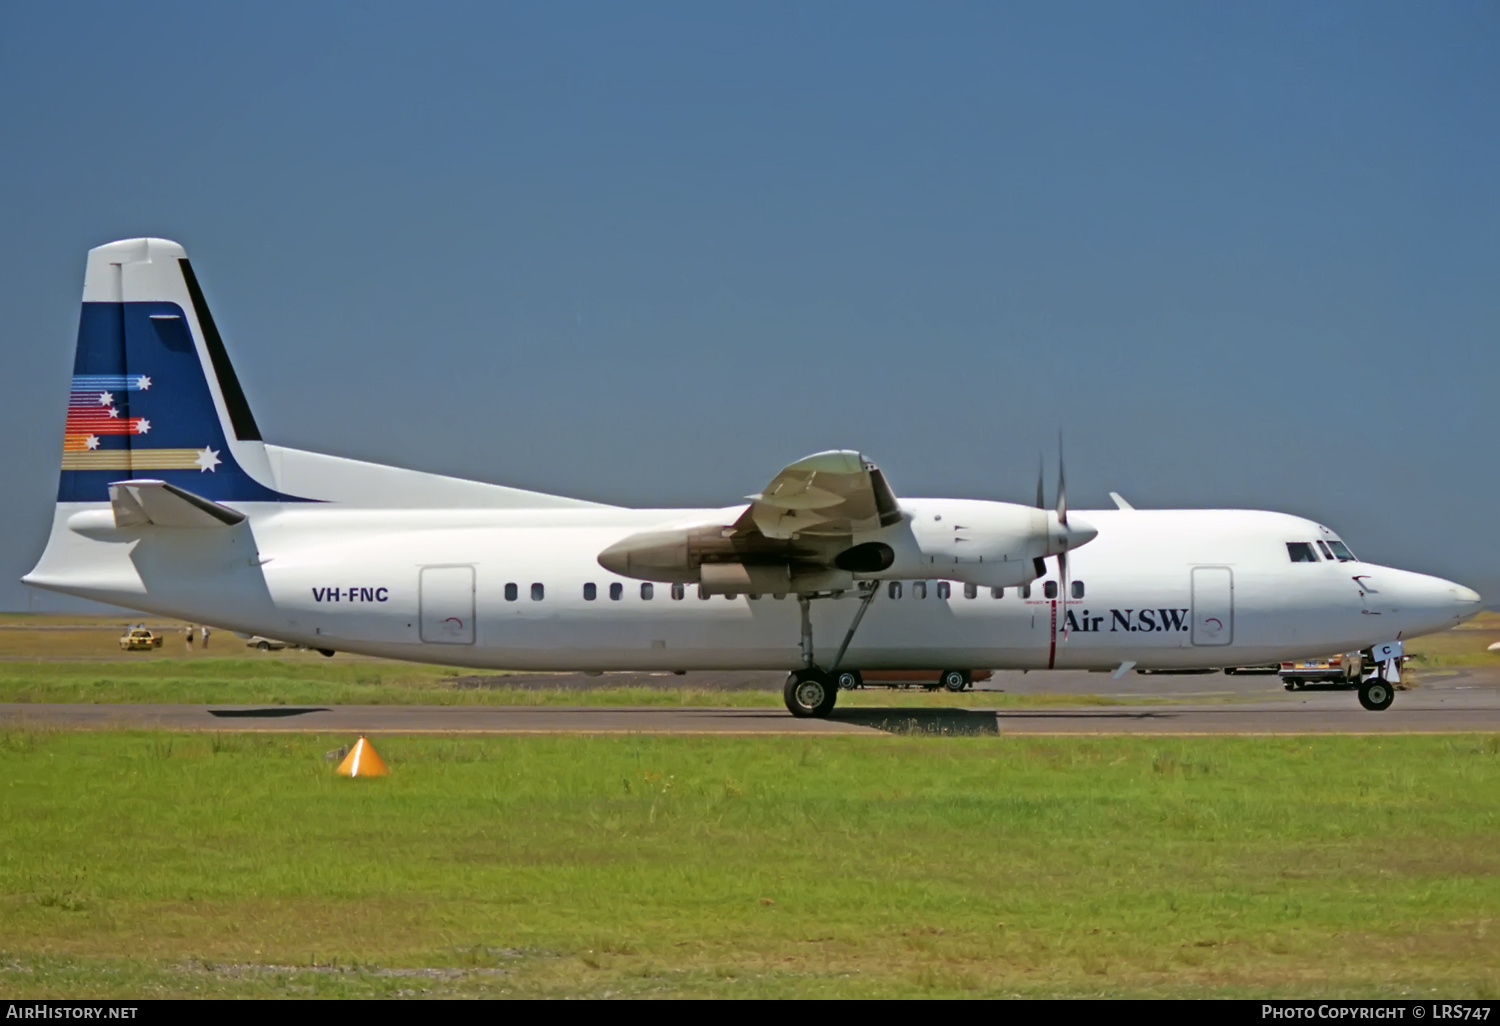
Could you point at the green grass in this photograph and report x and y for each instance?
(1465, 645)
(252, 680)
(158, 864)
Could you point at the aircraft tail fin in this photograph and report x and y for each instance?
(154, 395)
(153, 389)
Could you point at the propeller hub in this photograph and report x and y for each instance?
(1078, 532)
(1064, 537)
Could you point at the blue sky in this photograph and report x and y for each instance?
(1242, 254)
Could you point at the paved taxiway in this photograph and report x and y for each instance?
(1453, 701)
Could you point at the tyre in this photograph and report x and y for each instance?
(264, 646)
(809, 693)
(955, 680)
(1376, 695)
(848, 680)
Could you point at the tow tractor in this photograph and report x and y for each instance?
(1374, 673)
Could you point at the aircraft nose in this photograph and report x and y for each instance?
(1467, 600)
(1421, 604)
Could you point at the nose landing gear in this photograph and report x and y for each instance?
(1376, 695)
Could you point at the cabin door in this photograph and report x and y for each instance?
(447, 605)
(1213, 605)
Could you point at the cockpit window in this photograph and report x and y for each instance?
(1301, 552)
(1323, 548)
(1341, 552)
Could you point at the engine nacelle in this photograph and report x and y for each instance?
(993, 544)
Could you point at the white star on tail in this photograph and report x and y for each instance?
(208, 459)
(143, 383)
(142, 426)
(113, 412)
(105, 398)
(92, 441)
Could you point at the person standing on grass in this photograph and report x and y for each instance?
(205, 638)
(189, 637)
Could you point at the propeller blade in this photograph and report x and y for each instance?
(1062, 573)
(1041, 497)
(1062, 485)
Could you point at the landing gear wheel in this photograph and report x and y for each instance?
(1376, 695)
(809, 693)
(848, 680)
(955, 680)
(1290, 686)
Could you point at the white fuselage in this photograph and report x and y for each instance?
(1160, 589)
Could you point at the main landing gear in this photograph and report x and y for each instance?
(812, 691)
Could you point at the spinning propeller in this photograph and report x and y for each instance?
(1062, 520)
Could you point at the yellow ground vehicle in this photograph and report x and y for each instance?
(139, 639)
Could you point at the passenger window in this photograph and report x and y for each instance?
(1323, 548)
(1026, 591)
(590, 592)
(647, 590)
(919, 589)
(971, 590)
(1301, 552)
(536, 593)
(943, 589)
(1049, 590)
(997, 593)
(1077, 589)
(678, 591)
(1341, 551)
(893, 589)
(616, 591)
(510, 593)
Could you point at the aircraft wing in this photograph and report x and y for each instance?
(827, 494)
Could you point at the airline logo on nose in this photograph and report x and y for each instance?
(102, 435)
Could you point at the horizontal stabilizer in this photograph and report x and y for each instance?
(157, 503)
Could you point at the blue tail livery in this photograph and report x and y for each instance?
(153, 392)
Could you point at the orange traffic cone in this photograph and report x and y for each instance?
(362, 761)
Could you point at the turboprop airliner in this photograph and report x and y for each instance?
(171, 502)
